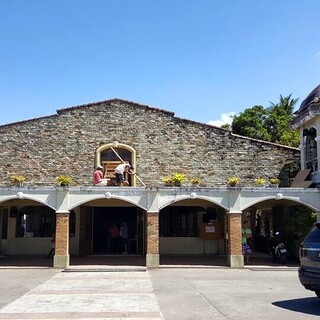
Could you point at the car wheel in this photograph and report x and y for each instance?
(318, 293)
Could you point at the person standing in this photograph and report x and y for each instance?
(246, 241)
(124, 235)
(52, 246)
(98, 177)
(114, 234)
(120, 171)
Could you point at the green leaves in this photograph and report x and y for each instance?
(269, 124)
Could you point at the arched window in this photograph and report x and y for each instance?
(311, 161)
(112, 154)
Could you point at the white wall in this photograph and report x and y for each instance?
(34, 246)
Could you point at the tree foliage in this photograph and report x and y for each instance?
(226, 126)
(268, 124)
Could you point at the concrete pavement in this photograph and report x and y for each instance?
(258, 292)
(174, 293)
(88, 295)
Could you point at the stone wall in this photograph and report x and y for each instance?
(65, 143)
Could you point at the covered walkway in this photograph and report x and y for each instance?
(135, 261)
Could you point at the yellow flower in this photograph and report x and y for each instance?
(233, 181)
(18, 178)
(260, 181)
(167, 180)
(274, 180)
(63, 181)
(178, 177)
(195, 180)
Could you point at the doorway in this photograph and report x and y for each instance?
(104, 218)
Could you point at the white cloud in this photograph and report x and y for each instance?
(224, 118)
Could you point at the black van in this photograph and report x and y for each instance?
(309, 271)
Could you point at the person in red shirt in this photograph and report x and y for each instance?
(98, 177)
(114, 233)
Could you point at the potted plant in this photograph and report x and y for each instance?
(195, 181)
(167, 181)
(18, 180)
(178, 178)
(260, 182)
(233, 181)
(63, 181)
(274, 182)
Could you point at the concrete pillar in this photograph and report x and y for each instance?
(235, 257)
(61, 257)
(152, 257)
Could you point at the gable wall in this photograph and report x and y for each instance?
(43, 148)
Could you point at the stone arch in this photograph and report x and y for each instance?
(117, 146)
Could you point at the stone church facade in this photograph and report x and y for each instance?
(177, 220)
(67, 143)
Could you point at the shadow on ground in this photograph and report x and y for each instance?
(302, 305)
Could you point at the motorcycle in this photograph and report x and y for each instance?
(277, 248)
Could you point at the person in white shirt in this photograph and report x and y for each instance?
(120, 171)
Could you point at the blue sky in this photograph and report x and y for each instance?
(198, 58)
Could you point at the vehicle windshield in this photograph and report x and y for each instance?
(314, 234)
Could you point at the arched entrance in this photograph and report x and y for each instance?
(26, 228)
(111, 155)
(291, 219)
(106, 225)
(192, 232)
(96, 238)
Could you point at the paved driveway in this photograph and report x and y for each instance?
(16, 282)
(165, 293)
(255, 293)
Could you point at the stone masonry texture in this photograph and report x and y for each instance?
(65, 144)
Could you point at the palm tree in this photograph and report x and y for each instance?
(278, 121)
(286, 103)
